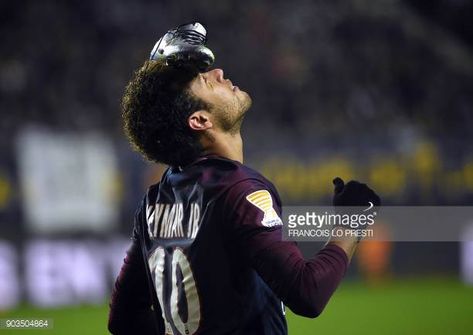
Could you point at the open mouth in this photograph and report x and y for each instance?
(233, 87)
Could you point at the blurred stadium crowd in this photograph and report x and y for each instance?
(377, 90)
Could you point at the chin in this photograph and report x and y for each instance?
(245, 101)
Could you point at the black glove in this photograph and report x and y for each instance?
(353, 194)
(184, 46)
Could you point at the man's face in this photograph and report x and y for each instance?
(228, 103)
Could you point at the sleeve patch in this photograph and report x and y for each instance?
(262, 200)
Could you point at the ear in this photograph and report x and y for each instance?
(199, 120)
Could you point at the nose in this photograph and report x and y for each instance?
(217, 74)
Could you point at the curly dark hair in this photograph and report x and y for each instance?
(155, 108)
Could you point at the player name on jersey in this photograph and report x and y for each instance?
(167, 220)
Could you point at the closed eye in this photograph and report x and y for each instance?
(207, 82)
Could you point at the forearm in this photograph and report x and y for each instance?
(305, 286)
(348, 244)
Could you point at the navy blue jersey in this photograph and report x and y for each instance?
(208, 241)
(189, 226)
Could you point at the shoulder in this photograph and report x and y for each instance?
(243, 181)
(222, 178)
(250, 191)
(237, 173)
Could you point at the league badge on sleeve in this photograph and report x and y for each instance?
(262, 199)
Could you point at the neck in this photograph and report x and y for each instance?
(226, 145)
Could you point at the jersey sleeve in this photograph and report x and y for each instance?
(252, 210)
(130, 303)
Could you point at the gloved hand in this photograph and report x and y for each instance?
(184, 46)
(353, 194)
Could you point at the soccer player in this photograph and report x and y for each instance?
(207, 255)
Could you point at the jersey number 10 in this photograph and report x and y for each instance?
(185, 289)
